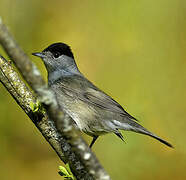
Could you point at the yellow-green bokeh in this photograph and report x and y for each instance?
(133, 50)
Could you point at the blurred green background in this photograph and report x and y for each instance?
(133, 50)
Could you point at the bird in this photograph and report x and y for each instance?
(92, 110)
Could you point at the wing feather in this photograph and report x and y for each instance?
(84, 90)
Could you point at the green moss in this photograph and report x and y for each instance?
(37, 107)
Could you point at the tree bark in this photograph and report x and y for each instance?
(63, 138)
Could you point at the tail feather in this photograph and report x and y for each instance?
(146, 132)
(131, 125)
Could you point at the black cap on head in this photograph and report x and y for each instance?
(58, 49)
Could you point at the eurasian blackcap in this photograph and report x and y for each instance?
(94, 112)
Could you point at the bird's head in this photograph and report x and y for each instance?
(57, 56)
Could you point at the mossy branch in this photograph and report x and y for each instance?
(69, 146)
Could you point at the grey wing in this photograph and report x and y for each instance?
(104, 101)
(87, 92)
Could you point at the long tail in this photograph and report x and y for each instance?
(146, 132)
(131, 125)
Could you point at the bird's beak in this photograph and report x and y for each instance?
(39, 54)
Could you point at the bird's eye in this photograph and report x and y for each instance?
(56, 54)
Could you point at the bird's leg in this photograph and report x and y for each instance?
(119, 135)
(93, 141)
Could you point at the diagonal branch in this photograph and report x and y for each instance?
(64, 139)
(24, 97)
